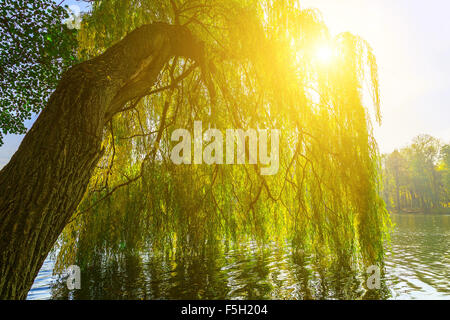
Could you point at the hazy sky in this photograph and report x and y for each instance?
(411, 41)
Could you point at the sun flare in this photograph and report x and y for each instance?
(325, 54)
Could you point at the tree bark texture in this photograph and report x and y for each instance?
(42, 185)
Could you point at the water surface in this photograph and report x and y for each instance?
(417, 267)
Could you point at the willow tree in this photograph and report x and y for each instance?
(232, 64)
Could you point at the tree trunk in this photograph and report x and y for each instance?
(42, 185)
(397, 192)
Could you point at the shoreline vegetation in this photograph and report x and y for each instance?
(416, 179)
(437, 211)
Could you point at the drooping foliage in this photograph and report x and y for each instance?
(262, 70)
(36, 46)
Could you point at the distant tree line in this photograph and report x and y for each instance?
(417, 177)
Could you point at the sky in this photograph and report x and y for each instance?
(411, 42)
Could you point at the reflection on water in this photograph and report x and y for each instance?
(417, 267)
(41, 288)
(247, 272)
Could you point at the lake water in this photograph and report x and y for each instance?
(417, 267)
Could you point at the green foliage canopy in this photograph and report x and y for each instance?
(35, 48)
(417, 176)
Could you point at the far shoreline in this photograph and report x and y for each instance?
(438, 211)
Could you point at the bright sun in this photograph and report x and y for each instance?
(325, 54)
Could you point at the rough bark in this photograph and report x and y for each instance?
(42, 185)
